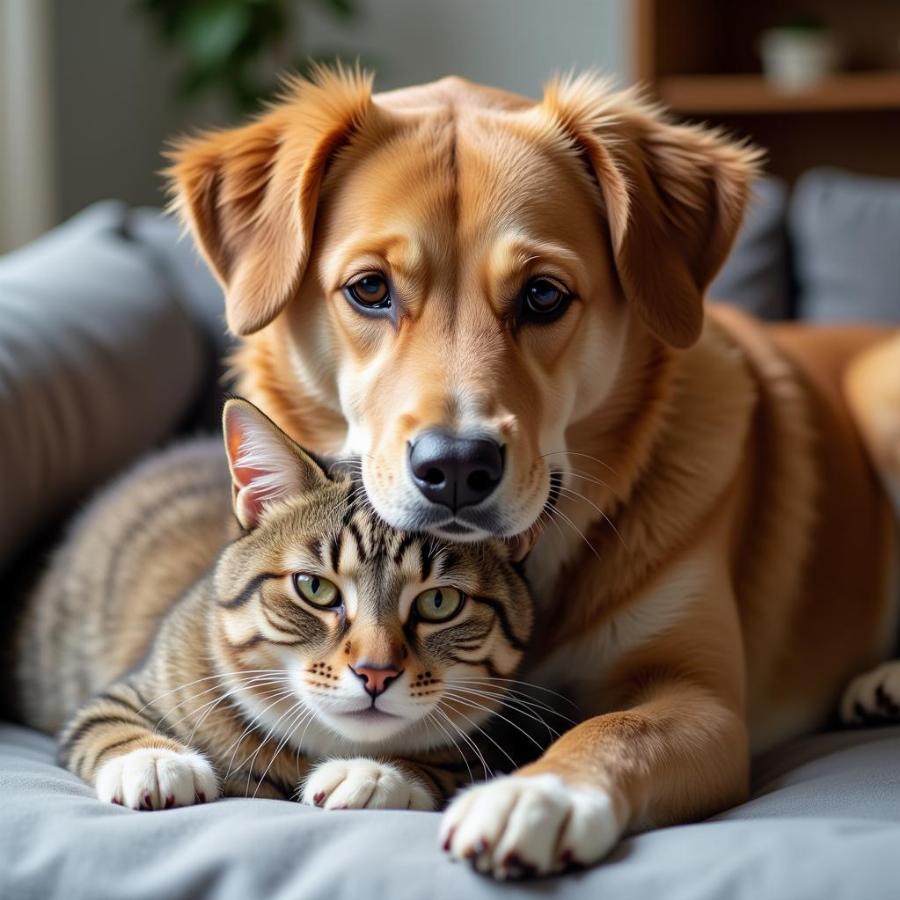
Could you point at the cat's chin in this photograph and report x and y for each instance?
(366, 726)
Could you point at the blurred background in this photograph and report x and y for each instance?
(91, 89)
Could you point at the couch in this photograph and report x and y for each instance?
(111, 343)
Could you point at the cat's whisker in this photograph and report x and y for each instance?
(299, 749)
(188, 684)
(513, 703)
(478, 728)
(214, 704)
(528, 684)
(431, 718)
(249, 761)
(236, 743)
(473, 703)
(488, 771)
(257, 681)
(292, 726)
(507, 696)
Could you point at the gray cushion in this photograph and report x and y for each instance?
(824, 824)
(174, 253)
(97, 363)
(756, 276)
(846, 229)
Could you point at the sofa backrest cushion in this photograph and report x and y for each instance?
(98, 363)
(846, 234)
(756, 275)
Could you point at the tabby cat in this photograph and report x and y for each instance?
(324, 657)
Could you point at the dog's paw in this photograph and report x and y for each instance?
(522, 825)
(363, 784)
(156, 778)
(873, 697)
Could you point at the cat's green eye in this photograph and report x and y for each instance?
(439, 604)
(317, 590)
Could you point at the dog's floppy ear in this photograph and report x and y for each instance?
(674, 197)
(249, 194)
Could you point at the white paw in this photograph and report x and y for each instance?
(529, 825)
(873, 696)
(156, 778)
(363, 784)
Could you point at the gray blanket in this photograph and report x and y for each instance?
(824, 822)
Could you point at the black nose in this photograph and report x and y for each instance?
(454, 471)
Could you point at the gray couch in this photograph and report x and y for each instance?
(111, 336)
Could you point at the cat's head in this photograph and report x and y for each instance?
(384, 636)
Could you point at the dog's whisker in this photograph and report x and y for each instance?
(582, 454)
(556, 511)
(577, 495)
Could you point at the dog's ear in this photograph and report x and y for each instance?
(674, 197)
(249, 194)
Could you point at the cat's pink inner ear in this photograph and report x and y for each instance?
(243, 475)
(260, 465)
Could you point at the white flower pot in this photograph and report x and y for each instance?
(796, 59)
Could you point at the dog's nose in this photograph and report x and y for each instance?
(376, 679)
(454, 471)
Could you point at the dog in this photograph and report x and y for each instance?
(495, 306)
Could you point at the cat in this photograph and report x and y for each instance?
(324, 657)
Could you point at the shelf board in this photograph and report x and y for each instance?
(754, 94)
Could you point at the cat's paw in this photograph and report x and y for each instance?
(157, 778)
(873, 696)
(522, 825)
(363, 784)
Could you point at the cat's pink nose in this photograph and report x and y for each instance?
(375, 679)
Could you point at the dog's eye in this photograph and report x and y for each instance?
(544, 300)
(370, 291)
(316, 590)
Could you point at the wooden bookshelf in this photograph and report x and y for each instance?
(697, 94)
(699, 58)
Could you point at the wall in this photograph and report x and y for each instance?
(28, 196)
(513, 44)
(112, 79)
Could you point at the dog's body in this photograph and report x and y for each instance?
(721, 555)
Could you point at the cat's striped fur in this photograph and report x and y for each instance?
(171, 681)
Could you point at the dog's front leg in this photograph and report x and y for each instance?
(670, 746)
(678, 755)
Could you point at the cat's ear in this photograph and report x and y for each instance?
(266, 465)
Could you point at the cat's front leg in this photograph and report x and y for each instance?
(362, 783)
(114, 746)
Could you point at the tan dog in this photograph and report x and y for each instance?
(496, 305)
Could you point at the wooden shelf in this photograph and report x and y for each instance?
(735, 94)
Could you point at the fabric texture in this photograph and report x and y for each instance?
(98, 362)
(846, 230)
(756, 275)
(824, 825)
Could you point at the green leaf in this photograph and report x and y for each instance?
(230, 47)
(213, 31)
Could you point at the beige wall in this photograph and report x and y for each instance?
(114, 107)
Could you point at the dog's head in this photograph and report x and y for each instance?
(441, 282)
